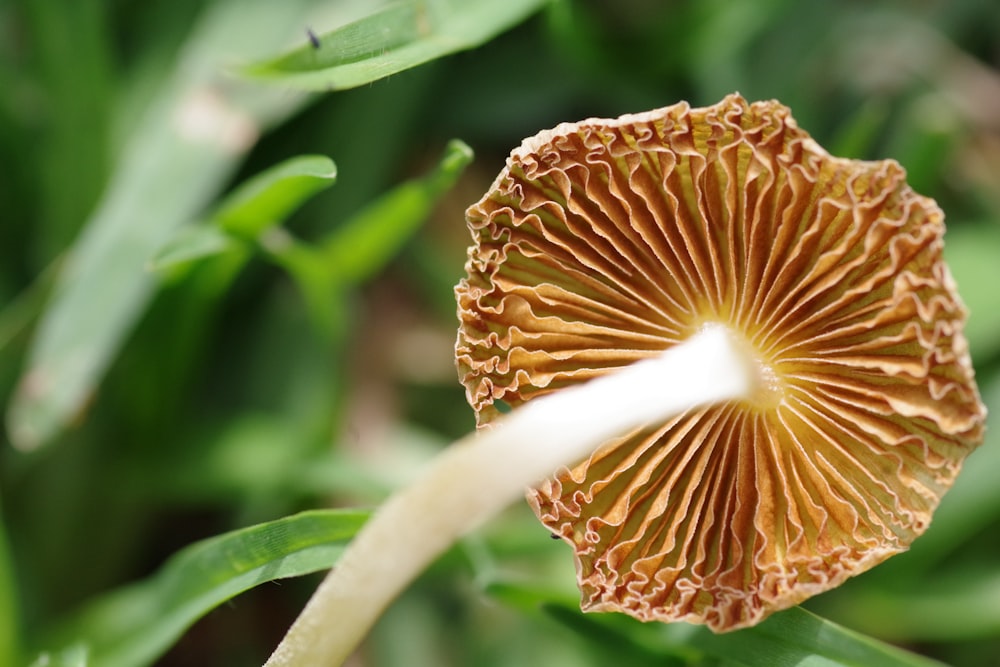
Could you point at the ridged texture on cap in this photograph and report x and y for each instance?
(605, 241)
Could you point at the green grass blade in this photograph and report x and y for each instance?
(367, 241)
(271, 196)
(395, 38)
(190, 243)
(191, 138)
(796, 637)
(135, 625)
(364, 244)
(792, 638)
(260, 203)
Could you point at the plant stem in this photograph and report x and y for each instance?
(481, 474)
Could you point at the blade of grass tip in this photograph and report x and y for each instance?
(135, 625)
(268, 198)
(72, 46)
(364, 244)
(261, 202)
(190, 139)
(395, 38)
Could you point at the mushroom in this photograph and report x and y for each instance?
(605, 242)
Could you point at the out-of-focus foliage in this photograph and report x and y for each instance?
(200, 331)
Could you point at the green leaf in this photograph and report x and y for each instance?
(798, 637)
(395, 38)
(791, 638)
(190, 139)
(192, 242)
(258, 204)
(363, 245)
(268, 198)
(366, 242)
(136, 624)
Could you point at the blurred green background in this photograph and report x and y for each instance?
(204, 324)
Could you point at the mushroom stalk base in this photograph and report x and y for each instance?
(481, 474)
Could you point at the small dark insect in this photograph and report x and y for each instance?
(555, 537)
(313, 39)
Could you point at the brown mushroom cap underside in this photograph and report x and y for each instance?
(606, 241)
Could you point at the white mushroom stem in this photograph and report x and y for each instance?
(481, 474)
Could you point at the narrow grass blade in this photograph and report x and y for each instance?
(395, 38)
(364, 244)
(260, 203)
(135, 625)
(796, 637)
(792, 638)
(194, 242)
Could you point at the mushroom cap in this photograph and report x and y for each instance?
(604, 242)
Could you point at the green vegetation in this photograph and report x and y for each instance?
(230, 232)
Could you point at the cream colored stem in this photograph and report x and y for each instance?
(481, 474)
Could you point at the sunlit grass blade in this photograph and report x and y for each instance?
(190, 139)
(394, 38)
(790, 638)
(271, 196)
(190, 243)
(362, 245)
(135, 625)
(262, 202)
(797, 637)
